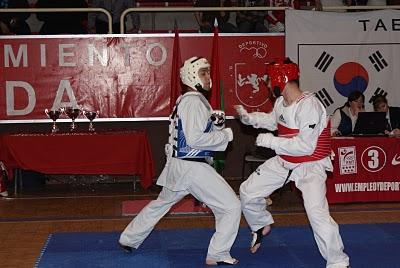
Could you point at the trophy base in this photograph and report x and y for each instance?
(91, 128)
(73, 127)
(54, 128)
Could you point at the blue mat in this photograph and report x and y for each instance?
(368, 245)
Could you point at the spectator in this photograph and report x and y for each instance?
(344, 118)
(98, 22)
(206, 20)
(276, 18)
(380, 104)
(65, 22)
(251, 21)
(15, 22)
(232, 15)
(4, 29)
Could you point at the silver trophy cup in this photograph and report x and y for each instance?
(54, 115)
(91, 116)
(72, 113)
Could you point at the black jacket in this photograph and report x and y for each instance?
(394, 114)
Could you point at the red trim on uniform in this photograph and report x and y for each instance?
(285, 131)
(322, 150)
(301, 97)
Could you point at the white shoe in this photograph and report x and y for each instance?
(4, 194)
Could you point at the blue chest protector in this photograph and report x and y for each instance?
(180, 147)
(183, 150)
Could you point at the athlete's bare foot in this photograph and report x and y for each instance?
(257, 237)
(231, 261)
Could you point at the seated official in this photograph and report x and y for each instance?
(380, 104)
(344, 118)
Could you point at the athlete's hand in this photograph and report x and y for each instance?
(264, 140)
(218, 119)
(336, 133)
(243, 114)
(394, 133)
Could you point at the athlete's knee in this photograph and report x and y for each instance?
(232, 210)
(235, 206)
(236, 214)
(316, 205)
(243, 189)
(319, 215)
(245, 194)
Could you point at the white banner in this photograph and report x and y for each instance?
(341, 52)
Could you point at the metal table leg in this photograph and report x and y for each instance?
(17, 180)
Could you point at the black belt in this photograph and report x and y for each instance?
(201, 160)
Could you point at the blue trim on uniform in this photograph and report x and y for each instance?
(184, 150)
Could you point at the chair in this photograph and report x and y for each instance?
(254, 158)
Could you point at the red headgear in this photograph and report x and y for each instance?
(281, 72)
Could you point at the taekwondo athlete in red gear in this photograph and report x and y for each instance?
(193, 137)
(303, 156)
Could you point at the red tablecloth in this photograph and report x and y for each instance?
(365, 170)
(114, 153)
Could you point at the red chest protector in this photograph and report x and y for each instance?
(322, 150)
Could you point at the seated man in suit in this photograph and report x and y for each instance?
(380, 104)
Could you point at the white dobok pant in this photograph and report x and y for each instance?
(310, 179)
(206, 185)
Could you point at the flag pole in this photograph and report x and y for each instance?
(216, 98)
(176, 64)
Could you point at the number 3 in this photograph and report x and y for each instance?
(374, 161)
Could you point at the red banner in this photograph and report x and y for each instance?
(123, 77)
(365, 170)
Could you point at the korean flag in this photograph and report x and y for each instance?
(333, 71)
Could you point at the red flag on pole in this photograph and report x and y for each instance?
(215, 96)
(176, 65)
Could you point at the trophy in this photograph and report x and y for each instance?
(72, 113)
(54, 115)
(91, 116)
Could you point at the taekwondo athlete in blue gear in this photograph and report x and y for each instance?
(193, 137)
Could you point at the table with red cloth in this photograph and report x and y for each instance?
(109, 152)
(366, 169)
